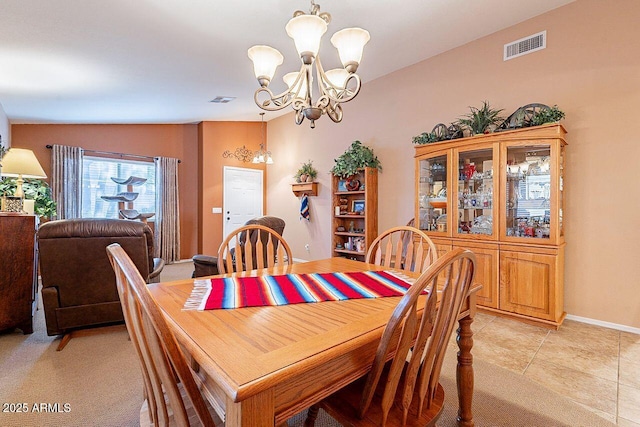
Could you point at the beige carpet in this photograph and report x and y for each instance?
(95, 381)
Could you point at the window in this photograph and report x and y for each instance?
(96, 182)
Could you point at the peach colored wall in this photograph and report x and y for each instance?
(178, 141)
(591, 69)
(214, 138)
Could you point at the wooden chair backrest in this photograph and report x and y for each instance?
(399, 247)
(161, 359)
(252, 247)
(426, 336)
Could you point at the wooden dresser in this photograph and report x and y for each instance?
(18, 271)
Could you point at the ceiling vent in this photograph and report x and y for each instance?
(222, 99)
(526, 45)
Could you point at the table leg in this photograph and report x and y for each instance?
(255, 411)
(464, 372)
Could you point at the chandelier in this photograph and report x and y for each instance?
(335, 86)
(262, 156)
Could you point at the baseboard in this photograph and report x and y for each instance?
(299, 260)
(604, 324)
(182, 261)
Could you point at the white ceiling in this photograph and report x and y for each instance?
(162, 61)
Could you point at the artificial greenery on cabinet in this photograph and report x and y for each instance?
(486, 119)
(550, 115)
(481, 120)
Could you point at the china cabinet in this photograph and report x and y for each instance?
(355, 214)
(502, 196)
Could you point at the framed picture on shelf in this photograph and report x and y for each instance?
(342, 185)
(358, 206)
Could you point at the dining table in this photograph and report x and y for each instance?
(259, 366)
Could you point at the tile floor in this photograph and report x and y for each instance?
(599, 368)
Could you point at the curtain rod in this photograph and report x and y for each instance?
(49, 146)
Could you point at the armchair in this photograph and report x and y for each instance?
(78, 282)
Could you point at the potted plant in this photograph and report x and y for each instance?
(306, 173)
(547, 115)
(425, 138)
(355, 158)
(35, 189)
(481, 120)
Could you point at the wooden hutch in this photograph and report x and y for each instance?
(502, 196)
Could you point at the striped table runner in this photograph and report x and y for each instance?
(237, 292)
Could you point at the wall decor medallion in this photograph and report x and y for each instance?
(241, 153)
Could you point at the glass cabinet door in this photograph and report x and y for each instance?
(528, 191)
(432, 193)
(474, 193)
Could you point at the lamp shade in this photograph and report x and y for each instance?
(20, 162)
(338, 77)
(290, 79)
(306, 32)
(265, 61)
(350, 43)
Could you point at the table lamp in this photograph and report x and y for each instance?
(21, 163)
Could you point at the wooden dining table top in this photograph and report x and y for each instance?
(250, 347)
(295, 354)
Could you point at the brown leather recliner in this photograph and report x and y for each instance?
(78, 282)
(207, 265)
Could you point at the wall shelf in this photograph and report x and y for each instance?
(308, 188)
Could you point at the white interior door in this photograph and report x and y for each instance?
(242, 198)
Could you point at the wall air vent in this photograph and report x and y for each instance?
(526, 45)
(222, 99)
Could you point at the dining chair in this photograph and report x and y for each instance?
(207, 265)
(167, 402)
(405, 247)
(253, 247)
(405, 390)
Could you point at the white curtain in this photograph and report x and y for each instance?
(66, 180)
(167, 223)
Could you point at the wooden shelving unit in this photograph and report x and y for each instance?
(357, 228)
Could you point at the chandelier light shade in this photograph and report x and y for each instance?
(350, 44)
(291, 80)
(306, 32)
(265, 61)
(338, 77)
(334, 86)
